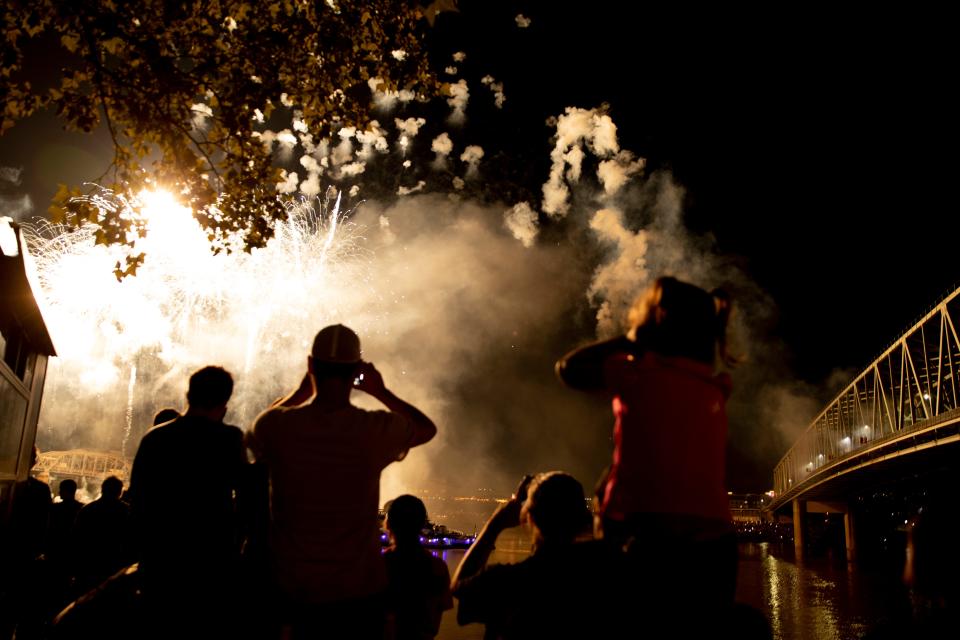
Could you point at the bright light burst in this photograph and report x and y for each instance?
(253, 313)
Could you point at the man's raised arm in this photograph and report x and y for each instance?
(370, 381)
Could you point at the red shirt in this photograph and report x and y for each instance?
(669, 438)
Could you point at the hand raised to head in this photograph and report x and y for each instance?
(369, 380)
(508, 514)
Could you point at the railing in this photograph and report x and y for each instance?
(84, 463)
(911, 387)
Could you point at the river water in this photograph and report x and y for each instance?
(819, 599)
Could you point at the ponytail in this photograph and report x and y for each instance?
(724, 307)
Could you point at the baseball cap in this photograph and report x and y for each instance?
(338, 344)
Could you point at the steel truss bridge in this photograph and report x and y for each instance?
(900, 414)
(84, 465)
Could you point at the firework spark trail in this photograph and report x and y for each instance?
(129, 428)
(332, 228)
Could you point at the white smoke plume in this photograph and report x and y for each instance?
(574, 161)
(285, 142)
(472, 156)
(451, 71)
(408, 130)
(523, 223)
(386, 101)
(386, 235)
(615, 173)
(459, 56)
(788, 408)
(266, 137)
(617, 283)
(13, 204)
(374, 137)
(442, 145)
(459, 96)
(351, 169)
(555, 197)
(522, 21)
(298, 124)
(409, 127)
(310, 187)
(289, 181)
(575, 128)
(405, 191)
(458, 183)
(306, 141)
(343, 152)
(310, 164)
(323, 152)
(497, 88)
(11, 175)
(16, 207)
(201, 112)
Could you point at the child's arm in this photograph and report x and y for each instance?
(582, 368)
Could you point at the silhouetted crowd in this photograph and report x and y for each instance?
(289, 546)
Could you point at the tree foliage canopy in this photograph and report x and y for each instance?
(183, 87)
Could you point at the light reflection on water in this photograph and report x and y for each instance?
(816, 600)
(819, 599)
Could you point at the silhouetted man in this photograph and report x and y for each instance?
(183, 488)
(61, 548)
(101, 536)
(324, 459)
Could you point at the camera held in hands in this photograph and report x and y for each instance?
(521, 492)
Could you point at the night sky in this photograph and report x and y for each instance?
(817, 150)
(821, 148)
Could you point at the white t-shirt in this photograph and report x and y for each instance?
(324, 492)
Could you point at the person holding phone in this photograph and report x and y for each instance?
(545, 595)
(324, 457)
